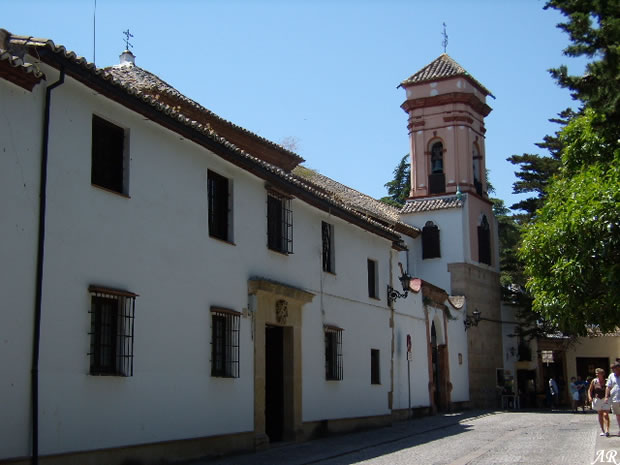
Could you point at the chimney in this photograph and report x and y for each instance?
(127, 58)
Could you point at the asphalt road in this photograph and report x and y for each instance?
(475, 438)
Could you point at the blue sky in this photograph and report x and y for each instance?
(326, 72)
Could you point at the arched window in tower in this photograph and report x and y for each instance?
(477, 161)
(430, 241)
(484, 241)
(436, 178)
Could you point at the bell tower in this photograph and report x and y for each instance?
(448, 201)
(446, 108)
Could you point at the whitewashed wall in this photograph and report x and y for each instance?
(457, 340)
(21, 116)
(410, 320)
(155, 243)
(453, 244)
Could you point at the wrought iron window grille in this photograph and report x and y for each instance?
(333, 353)
(111, 331)
(224, 343)
(279, 223)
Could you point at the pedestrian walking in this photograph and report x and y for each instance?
(612, 391)
(554, 392)
(573, 389)
(596, 395)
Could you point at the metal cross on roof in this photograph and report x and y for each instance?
(444, 42)
(127, 36)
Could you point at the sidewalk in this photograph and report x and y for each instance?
(310, 452)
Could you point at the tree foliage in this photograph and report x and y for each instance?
(399, 187)
(571, 246)
(593, 27)
(572, 251)
(536, 171)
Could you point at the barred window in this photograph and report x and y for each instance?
(279, 223)
(327, 236)
(111, 331)
(333, 353)
(430, 241)
(224, 343)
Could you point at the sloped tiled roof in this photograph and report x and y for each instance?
(443, 67)
(174, 117)
(17, 62)
(434, 203)
(150, 84)
(362, 203)
(13, 67)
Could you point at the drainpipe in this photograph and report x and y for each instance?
(39, 277)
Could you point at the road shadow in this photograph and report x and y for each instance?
(349, 448)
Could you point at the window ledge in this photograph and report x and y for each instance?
(219, 239)
(111, 191)
(286, 254)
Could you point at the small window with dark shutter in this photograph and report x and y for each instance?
(372, 279)
(327, 239)
(484, 241)
(109, 161)
(219, 206)
(430, 241)
(375, 371)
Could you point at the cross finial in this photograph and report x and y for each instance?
(444, 42)
(127, 36)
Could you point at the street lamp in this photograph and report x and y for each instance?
(404, 279)
(472, 320)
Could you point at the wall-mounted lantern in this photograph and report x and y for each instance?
(393, 294)
(472, 320)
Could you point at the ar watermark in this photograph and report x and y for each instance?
(606, 456)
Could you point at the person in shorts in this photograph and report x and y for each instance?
(596, 395)
(612, 391)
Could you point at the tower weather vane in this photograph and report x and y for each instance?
(127, 36)
(444, 42)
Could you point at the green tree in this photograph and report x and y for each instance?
(572, 251)
(571, 247)
(398, 188)
(593, 27)
(536, 171)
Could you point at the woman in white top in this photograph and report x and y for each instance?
(596, 395)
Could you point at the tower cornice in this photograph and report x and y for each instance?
(444, 99)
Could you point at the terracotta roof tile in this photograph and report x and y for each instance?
(362, 203)
(434, 203)
(17, 62)
(443, 67)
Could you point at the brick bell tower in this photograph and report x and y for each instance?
(448, 201)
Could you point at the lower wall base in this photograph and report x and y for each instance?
(151, 454)
(323, 428)
(213, 446)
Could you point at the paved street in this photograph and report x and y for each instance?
(473, 437)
